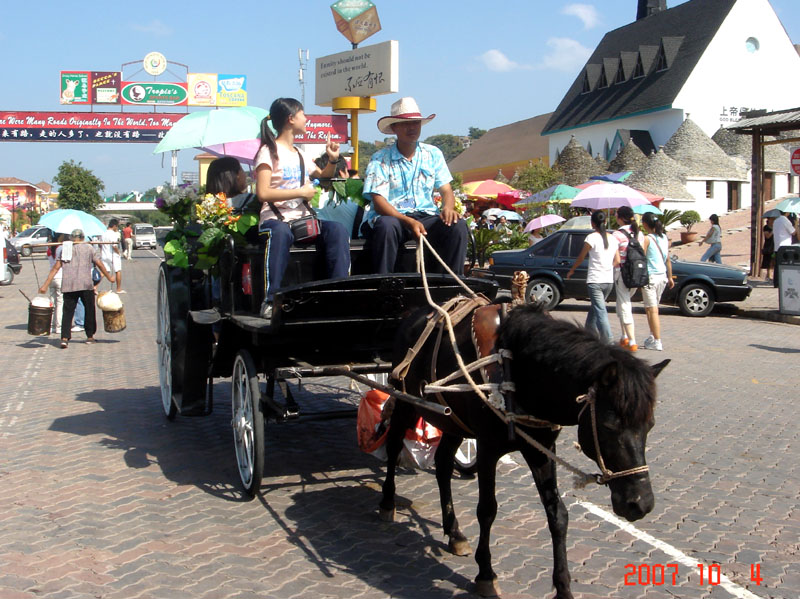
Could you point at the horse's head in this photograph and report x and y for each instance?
(624, 396)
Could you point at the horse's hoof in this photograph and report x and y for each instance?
(487, 588)
(386, 515)
(459, 547)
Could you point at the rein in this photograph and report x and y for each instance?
(496, 391)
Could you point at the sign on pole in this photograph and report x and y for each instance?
(356, 19)
(796, 161)
(368, 71)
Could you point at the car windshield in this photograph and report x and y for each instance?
(27, 232)
(140, 230)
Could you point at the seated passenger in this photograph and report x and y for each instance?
(400, 181)
(285, 193)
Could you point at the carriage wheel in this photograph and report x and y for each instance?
(466, 458)
(164, 341)
(184, 346)
(248, 422)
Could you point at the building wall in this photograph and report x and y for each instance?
(661, 125)
(729, 78)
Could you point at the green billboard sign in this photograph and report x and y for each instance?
(162, 94)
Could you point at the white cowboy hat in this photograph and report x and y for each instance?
(404, 110)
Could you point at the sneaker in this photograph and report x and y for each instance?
(266, 310)
(77, 328)
(91, 340)
(121, 291)
(648, 341)
(655, 344)
(633, 347)
(624, 342)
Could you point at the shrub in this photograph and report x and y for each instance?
(689, 218)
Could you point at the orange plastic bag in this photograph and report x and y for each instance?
(371, 434)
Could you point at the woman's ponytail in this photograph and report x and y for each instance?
(280, 112)
(599, 223)
(654, 223)
(625, 217)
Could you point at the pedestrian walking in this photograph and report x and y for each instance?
(628, 230)
(55, 285)
(76, 258)
(659, 269)
(603, 251)
(714, 239)
(767, 249)
(127, 236)
(109, 252)
(782, 230)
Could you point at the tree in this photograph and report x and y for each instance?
(536, 177)
(365, 151)
(450, 145)
(475, 133)
(78, 188)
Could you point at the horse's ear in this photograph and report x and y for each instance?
(657, 368)
(609, 375)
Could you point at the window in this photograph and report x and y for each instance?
(586, 87)
(752, 45)
(661, 63)
(620, 78)
(546, 247)
(574, 245)
(603, 79)
(589, 148)
(709, 189)
(638, 72)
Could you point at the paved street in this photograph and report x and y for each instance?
(104, 498)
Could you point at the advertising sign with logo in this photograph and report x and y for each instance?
(154, 94)
(154, 63)
(367, 71)
(118, 127)
(318, 126)
(202, 89)
(231, 90)
(75, 87)
(105, 87)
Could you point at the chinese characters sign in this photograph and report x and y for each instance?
(356, 19)
(231, 90)
(367, 71)
(732, 114)
(85, 126)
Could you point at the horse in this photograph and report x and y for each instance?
(558, 369)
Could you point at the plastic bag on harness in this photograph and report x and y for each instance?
(419, 444)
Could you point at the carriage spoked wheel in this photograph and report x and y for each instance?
(164, 341)
(466, 458)
(247, 422)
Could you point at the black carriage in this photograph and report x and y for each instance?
(320, 327)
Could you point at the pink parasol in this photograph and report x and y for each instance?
(543, 221)
(608, 195)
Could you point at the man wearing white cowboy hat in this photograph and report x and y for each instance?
(400, 182)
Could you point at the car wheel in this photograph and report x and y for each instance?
(26, 251)
(544, 291)
(696, 299)
(9, 277)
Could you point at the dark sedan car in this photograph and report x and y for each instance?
(698, 285)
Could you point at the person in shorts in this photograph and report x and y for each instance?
(109, 253)
(659, 270)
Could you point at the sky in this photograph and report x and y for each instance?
(474, 64)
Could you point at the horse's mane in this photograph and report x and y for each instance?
(579, 357)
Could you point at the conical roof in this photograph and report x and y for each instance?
(601, 162)
(699, 155)
(776, 157)
(631, 158)
(577, 164)
(661, 176)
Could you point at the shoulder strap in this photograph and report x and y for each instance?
(660, 251)
(302, 182)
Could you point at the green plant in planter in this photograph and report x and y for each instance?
(669, 217)
(689, 218)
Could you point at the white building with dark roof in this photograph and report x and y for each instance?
(711, 59)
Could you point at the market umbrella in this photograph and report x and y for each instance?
(492, 212)
(613, 177)
(508, 198)
(608, 195)
(244, 151)
(644, 208)
(509, 214)
(555, 194)
(65, 220)
(543, 221)
(212, 127)
(789, 205)
(486, 189)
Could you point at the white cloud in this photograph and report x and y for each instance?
(585, 12)
(565, 55)
(154, 27)
(495, 60)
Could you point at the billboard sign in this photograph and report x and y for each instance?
(231, 90)
(105, 87)
(154, 94)
(154, 63)
(202, 89)
(365, 72)
(356, 19)
(75, 87)
(119, 127)
(318, 126)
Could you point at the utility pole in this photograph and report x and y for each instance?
(300, 77)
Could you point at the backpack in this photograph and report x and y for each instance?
(634, 269)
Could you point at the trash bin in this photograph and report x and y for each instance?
(787, 275)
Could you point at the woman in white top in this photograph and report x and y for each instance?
(714, 239)
(603, 250)
(659, 270)
(281, 191)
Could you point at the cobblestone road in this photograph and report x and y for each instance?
(104, 498)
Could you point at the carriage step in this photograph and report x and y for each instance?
(210, 316)
(289, 413)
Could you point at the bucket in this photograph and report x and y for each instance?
(39, 320)
(114, 321)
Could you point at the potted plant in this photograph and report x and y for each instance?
(688, 219)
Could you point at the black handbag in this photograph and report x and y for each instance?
(305, 229)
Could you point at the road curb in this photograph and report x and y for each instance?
(770, 315)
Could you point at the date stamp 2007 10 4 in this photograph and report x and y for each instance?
(661, 574)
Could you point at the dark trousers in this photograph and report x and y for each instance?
(70, 300)
(333, 241)
(388, 234)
